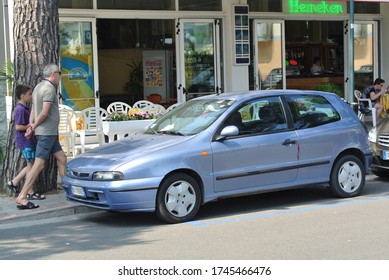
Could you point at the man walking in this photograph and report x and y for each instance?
(44, 121)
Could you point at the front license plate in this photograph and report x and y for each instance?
(78, 191)
(385, 155)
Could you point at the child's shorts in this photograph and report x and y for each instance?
(28, 153)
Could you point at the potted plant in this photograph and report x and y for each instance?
(134, 85)
(121, 124)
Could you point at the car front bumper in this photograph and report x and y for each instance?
(121, 196)
(379, 165)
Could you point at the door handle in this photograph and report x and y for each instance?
(289, 142)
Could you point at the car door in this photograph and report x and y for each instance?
(320, 135)
(265, 153)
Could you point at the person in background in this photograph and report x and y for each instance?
(316, 68)
(26, 145)
(374, 92)
(44, 121)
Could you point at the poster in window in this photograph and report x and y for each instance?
(153, 72)
(242, 38)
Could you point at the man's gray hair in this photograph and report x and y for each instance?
(49, 68)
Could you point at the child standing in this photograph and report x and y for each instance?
(26, 145)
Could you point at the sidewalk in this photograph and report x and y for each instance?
(55, 205)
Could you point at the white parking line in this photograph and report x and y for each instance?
(281, 213)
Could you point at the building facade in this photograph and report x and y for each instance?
(180, 49)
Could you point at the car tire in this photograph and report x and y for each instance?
(178, 198)
(347, 177)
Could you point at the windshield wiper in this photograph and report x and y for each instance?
(172, 132)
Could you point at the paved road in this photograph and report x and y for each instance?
(297, 224)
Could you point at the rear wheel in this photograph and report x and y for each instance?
(178, 198)
(347, 177)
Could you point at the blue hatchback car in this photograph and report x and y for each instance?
(225, 145)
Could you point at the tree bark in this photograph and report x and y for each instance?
(36, 40)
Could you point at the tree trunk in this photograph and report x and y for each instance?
(36, 41)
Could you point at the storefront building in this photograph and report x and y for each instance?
(121, 50)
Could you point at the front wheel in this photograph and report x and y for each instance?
(347, 177)
(178, 199)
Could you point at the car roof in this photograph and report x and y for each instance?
(259, 93)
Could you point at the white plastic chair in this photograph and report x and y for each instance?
(361, 113)
(63, 106)
(154, 109)
(92, 118)
(142, 104)
(65, 129)
(119, 107)
(171, 107)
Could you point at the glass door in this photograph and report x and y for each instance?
(269, 66)
(198, 55)
(78, 61)
(365, 54)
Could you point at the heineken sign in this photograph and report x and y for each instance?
(322, 7)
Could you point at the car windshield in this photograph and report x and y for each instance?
(190, 118)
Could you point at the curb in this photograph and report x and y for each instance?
(48, 212)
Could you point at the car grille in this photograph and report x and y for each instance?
(79, 175)
(383, 140)
(89, 203)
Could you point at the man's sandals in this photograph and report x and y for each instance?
(35, 196)
(29, 205)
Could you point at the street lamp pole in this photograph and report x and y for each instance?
(350, 94)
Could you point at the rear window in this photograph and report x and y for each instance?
(311, 111)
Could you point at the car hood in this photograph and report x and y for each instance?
(114, 154)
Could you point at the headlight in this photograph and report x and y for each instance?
(373, 135)
(108, 176)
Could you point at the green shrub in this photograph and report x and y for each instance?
(329, 87)
(8, 73)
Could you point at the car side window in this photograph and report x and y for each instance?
(264, 115)
(311, 111)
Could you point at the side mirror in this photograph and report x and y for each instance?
(230, 130)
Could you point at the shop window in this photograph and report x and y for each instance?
(365, 8)
(136, 5)
(135, 33)
(75, 4)
(314, 31)
(122, 45)
(200, 5)
(265, 6)
(306, 40)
